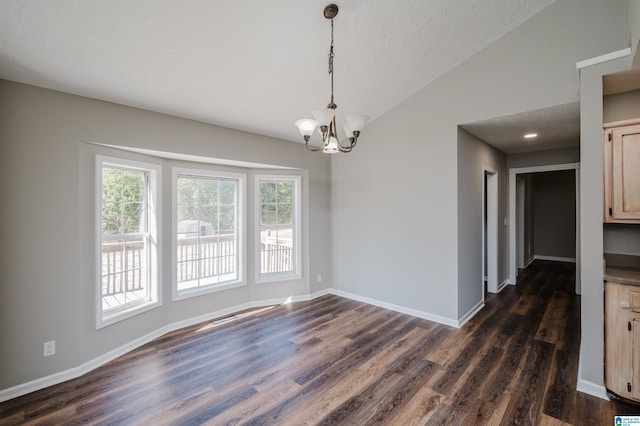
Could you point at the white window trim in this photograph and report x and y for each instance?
(297, 207)
(154, 204)
(240, 225)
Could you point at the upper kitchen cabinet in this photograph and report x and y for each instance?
(621, 115)
(622, 172)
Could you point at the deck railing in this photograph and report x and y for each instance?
(123, 265)
(124, 262)
(206, 256)
(275, 255)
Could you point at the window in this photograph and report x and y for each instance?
(208, 223)
(128, 252)
(278, 216)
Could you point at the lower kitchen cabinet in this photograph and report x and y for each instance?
(622, 339)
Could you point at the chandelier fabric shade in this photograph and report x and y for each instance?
(325, 119)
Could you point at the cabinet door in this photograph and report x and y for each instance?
(635, 384)
(625, 194)
(622, 334)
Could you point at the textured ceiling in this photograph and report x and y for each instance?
(556, 127)
(252, 65)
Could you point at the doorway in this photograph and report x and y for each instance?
(519, 254)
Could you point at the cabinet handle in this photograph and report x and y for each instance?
(628, 387)
(629, 326)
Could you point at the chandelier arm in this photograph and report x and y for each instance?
(325, 131)
(352, 144)
(348, 148)
(343, 148)
(334, 132)
(310, 147)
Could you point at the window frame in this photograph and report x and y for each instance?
(296, 274)
(240, 229)
(153, 196)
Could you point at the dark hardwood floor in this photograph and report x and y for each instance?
(337, 361)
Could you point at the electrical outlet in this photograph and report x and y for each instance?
(50, 348)
(319, 278)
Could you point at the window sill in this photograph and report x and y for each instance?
(213, 288)
(126, 313)
(264, 279)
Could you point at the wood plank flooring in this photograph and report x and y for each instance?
(337, 361)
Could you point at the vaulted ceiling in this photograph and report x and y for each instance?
(251, 65)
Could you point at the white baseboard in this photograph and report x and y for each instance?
(588, 387)
(503, 284)
(592, 389)
(555, 258)
(552, 258)
(320, 293)
(471, 313)
(528, 262)
(397, 308)
(74, 372)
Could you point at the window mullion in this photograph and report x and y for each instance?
(198, 239)
(146, 240)
(131, 235)
(145, 203)
(122, 227)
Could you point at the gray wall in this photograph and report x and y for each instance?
(622, 106)
(554, 213)
(473, 155)
(395, 198)
(544, 158)
(633, 28)
(47, 222)
(621, 238)
(591, 375)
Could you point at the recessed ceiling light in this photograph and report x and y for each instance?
(531, 135)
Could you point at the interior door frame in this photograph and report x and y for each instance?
(519, 224)
(512, 214)
(491, 235)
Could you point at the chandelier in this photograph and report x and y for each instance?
(325, 119)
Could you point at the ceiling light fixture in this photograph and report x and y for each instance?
(326, 118)
(531, 135)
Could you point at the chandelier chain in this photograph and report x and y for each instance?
(332, 104)
(331, 54)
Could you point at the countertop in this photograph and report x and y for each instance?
(623, 269)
